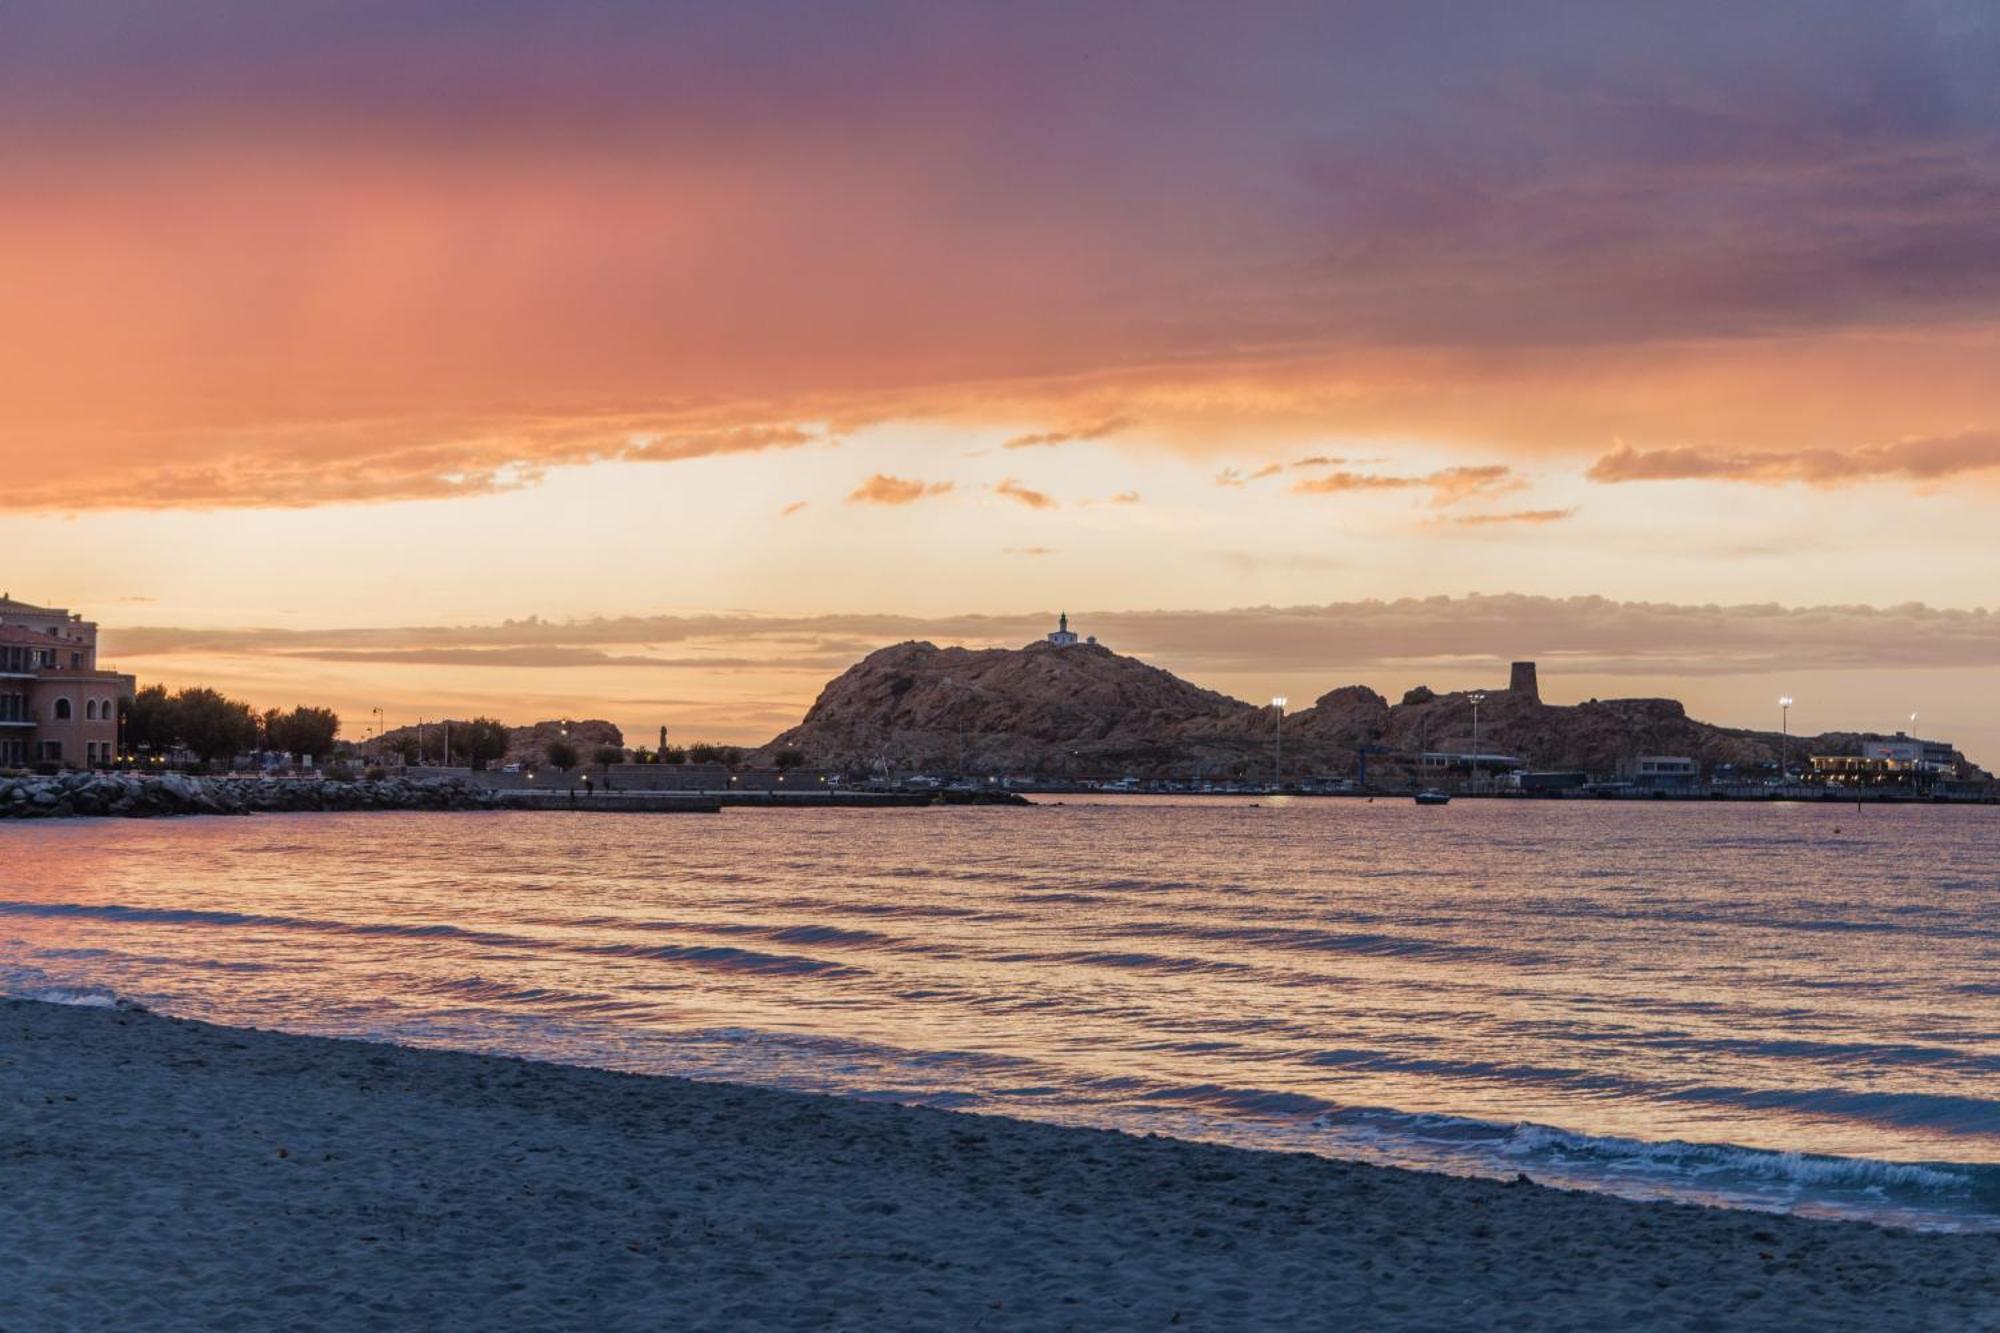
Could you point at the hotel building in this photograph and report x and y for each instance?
(56, 706)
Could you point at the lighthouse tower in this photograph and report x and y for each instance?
(1062, 638)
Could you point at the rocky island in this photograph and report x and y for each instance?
(1077, 709)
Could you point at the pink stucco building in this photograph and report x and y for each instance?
(56, 705)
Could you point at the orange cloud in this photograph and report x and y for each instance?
(1536, 516)
(301, 465)
(304, 263)
(793, 508)
(1044, 439)
(1929, 459)
(1034, 499)
(883, 489)
(1448, 486)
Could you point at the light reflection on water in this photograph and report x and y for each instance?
(1566, 989)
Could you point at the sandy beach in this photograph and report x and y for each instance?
(165, 1174)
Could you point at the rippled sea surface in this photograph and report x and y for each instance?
(1770, 1006)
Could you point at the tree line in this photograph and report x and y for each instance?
(216, 728)
(477, 743)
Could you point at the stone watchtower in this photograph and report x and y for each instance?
(1521, 680)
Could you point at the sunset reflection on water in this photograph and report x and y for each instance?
(1373, 980)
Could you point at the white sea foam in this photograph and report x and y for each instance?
(1703, 1159)
(88, 999)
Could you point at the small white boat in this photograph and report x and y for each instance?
(1432, 796)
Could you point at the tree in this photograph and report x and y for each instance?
(213, 726)
(485, 741)
(673, 754)
(148, 721)
(789, 758)
(314, 731)
(607, 755)
(306, 732)
(561, 756)
(705, 753)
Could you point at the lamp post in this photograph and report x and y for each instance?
(1278, 745)
(1477, 698)
(1784, 739)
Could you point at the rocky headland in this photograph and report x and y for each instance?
(1084, 710)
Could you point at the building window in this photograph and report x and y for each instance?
(52, 750)
(63, 710)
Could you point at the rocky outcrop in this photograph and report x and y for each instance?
(137, 795)
(1601, 736)
(1341, 721)
(1086, 711)
(1041, 709)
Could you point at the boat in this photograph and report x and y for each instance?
(1432, 796)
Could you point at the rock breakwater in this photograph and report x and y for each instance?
(148, 795)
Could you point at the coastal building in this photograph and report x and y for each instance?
(1521, 680)
(56, 705)
(1910, 752)
(1853, 770)
(1564, 780)
(1063, 637)
(1900, 761)
(1458, 761)
(1665, 772)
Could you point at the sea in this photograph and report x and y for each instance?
(1773, 1006)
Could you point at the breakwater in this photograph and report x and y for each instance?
(149, 795)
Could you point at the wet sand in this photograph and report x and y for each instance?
(163, 1174)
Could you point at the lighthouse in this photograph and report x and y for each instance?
(1062, 638)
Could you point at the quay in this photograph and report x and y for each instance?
(675, 802)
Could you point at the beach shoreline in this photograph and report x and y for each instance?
(167, 1173)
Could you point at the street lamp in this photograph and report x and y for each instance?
(1917, 760)
(1784, 738)
(1278, 745)
(1477, 698)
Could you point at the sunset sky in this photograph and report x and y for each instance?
(655, 361)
